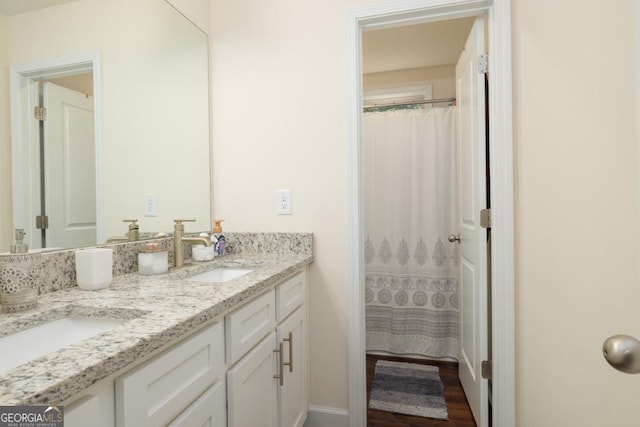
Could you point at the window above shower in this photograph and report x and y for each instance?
(407, 97)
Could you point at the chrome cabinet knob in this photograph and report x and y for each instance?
(623, 353)
(454, 238)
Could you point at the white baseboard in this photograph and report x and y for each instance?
(321, 416)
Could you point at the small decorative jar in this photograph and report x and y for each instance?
(19, 281)
(202, 253)
(153, 260)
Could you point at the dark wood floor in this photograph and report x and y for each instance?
(459, 413)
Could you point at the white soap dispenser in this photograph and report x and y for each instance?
(19, 247)
(220, 241)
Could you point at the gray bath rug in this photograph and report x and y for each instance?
(408, 388)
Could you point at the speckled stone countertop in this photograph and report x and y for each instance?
(161, 309)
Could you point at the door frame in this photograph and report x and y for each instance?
(406, 12)
(24, 139)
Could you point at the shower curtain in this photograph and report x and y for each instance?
(411, 283)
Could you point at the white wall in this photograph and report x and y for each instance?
(155, 127)
(279, 122)
(577, 210)
(197, 11)
(6, 217)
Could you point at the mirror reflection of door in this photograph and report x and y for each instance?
(56, 146)
(68, 168)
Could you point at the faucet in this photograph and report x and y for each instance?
(131, 236)
(179, 240)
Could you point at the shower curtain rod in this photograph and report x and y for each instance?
(394, 104)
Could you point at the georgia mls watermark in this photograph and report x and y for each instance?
(31, 416)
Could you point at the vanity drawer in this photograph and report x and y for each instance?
(157, 391)
(248, 325)
(290, 295)
(209, 410)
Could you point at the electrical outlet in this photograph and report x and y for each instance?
(150, 204)
(283, 202)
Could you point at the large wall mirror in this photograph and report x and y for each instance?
(125, 84)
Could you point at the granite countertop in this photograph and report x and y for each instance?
(159, 309)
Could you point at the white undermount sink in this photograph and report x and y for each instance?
(27, 345)
(220, 275)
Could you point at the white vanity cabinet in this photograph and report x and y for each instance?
(181, 385)
(248, 325)
(291, 307)
(251, 388)
(210, 410)
(250, 370)
(267, 386)
(93, 407)
(292, 394)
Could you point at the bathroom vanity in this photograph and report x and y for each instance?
(188, 352)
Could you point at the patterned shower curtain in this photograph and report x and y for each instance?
(411, 269)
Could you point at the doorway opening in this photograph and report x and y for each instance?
(418, 201)
(501, 169)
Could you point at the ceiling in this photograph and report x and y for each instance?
(414, 46)
(16, 7)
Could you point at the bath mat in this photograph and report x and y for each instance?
(408, 388)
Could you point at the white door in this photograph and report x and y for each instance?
(292, 401)
(70, 172)
(471, 124)
(251, 387)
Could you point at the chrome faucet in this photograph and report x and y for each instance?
(179, 240)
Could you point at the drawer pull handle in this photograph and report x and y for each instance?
(280, 376)
(290, 341)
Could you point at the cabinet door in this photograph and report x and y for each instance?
(95, 407)
(209, 410)
(251, 387)
(292, 395)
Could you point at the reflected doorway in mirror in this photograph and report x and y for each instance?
(56, 153)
